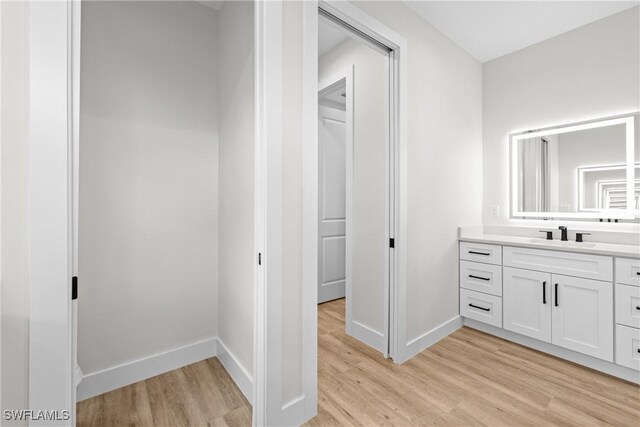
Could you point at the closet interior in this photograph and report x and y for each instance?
(166, 208)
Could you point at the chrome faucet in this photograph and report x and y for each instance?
(564, 231)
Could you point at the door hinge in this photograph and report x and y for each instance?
(259, 258)
(74, 287)
(392, 242)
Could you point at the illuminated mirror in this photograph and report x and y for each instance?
(588, 170)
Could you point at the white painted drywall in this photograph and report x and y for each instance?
(148, 252)
(369, 149)
(584, 74)
(14, 285)
(236, 75)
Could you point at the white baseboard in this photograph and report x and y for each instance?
(239, 373)
(293, 411)
(115, 377)
(429, 338)
(545, 347)
(368, 336)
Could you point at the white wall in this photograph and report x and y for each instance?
(236, 75)
(369, 149)
(148, 253)
(14, 286)
(584, 74)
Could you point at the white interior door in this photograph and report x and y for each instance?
(332, 138)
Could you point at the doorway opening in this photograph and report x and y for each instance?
(356, 188)
(354, 194)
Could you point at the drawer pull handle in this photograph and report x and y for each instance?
(637, 307)
(639, 350)
(637, 273)
(484, 253)
(480, 308)
(556, 302)
(487, 278)
(544, 292)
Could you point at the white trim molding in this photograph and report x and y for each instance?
(367, 335)
(309, 213)
(144, 368)
(268, 294)
(238, 372)
(49, 210)
(105, 380)
(431, 337)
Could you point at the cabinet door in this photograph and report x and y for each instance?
(526, 300)
(583, 315)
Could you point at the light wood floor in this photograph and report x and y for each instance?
(202, 394)
(467, 379)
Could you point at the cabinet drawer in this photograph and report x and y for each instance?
(628, 347)
(480, 252)
(481, 307)
(628, 305)
(568, 263)
(480, 277)
(628, 271)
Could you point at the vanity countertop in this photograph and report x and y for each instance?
(477, 235)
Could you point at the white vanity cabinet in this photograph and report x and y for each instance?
(481, 282)
(570, 312)
(563, 300)
(627, 312)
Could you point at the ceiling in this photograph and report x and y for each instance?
(329, 36)
(490, 29)
(335, 97)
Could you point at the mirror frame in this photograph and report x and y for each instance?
(629, 214)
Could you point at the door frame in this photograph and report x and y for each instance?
(346, 75)
(371, 27)
(51, 215)
(268, 213)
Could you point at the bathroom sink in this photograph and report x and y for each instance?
(560, 243)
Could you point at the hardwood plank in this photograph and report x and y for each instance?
(470, 378)
(201, 394)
